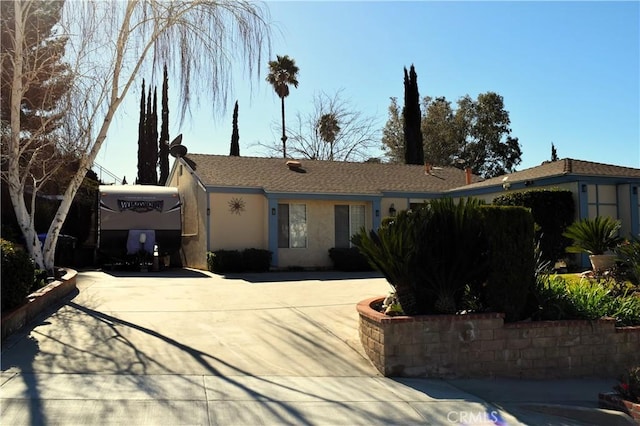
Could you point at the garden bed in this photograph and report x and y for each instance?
(482, 345)
(37, 302)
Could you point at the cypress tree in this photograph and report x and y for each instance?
(413, 148)
(235, 136)
(153, 141)
(163, 151)
(141, 137)
(554, 153)
(147, 132)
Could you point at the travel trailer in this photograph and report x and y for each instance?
(135, 219)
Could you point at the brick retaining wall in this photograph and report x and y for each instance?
(36, 303)
(482, 345)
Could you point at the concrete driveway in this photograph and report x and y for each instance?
(190, 347)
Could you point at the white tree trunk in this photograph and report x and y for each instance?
(15, 183)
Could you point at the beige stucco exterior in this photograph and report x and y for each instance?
(194, 218)
(320, 233)
(240, 228)
(211, 223)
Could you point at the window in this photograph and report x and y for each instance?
(292, 226)
(349, 220)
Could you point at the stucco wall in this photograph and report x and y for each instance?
(320, 234)
(194, 208)
(240, 229)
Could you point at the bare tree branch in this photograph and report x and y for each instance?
(355, 140)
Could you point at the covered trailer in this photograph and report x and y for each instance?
(135, 218)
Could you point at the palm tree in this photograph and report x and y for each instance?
(283, 72)
(328, 128)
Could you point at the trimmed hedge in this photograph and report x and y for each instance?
(349, 260)
(446, 257)
(511, 277)
(553, 210)
(248, 260)
(18, 275)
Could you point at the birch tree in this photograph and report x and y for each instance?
(110, 44)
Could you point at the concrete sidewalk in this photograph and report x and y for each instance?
(189, 347)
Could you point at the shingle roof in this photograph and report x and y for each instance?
(564, 167)
(322, 177)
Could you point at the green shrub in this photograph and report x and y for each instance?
(553, 301)
(450, 257)
(510, 233)
(626, 309)
(18, 275)
(593, 236)
(256, 260)
(590, 299)
(222, 261)
(390, 250)
(431, 255)
(248, 260)
(553, 210)
(348, 259)
(629, 255)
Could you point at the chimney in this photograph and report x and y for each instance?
(467, 173)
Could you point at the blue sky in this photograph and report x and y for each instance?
(569, 73)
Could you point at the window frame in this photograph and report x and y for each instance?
(292, 241)
(350, 222)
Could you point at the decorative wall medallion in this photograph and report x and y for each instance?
(236, 205)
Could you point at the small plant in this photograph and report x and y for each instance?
(590, 299)
(629, 386)
(552, 298)
(390, 305)
(593, 236)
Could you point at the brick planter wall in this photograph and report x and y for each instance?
(482, 345)
(613, 401)
(36, 303)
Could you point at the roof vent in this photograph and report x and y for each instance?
(292, 164)
(296, 166)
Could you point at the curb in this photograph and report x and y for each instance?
(597, 416)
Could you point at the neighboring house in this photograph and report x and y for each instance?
(598, 189)
(298, 210)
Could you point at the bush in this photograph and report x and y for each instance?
(249, 260)
(590, 299)
(510, 233)
(390, 250)
(451, 254)
(18, 275)
(256, 260)
(594, 236)
(553, 210)
(348, 259)
(629, 255)
(221, 261)
(553, 301)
